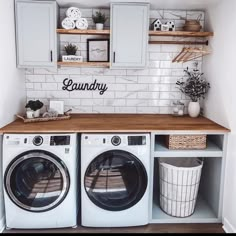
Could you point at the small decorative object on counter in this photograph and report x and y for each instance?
(50, 113)
(195, 87)
(156, 25)
(99, 20)
(34, 106)
(178, 108)
(57, 106)
(71, 50)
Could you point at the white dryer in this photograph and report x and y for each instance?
(40, 180)
(115, 178)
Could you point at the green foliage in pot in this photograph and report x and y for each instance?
(195, 87)
(99, 18)
(34, 105)
(71, 49)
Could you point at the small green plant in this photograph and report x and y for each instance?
(71, 49)
(34, 105)
(99, 18)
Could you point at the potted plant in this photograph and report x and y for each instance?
(99, 19)
(71, 50)
(34, 108)
(195, 87)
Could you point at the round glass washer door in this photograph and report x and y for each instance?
(37, 181)
(115, 180)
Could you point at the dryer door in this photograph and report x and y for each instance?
(115, 180)
(37, 181)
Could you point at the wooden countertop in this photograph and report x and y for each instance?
(116, 123)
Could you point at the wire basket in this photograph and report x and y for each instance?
(179, 183)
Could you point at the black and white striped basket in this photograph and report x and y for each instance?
(179, 183)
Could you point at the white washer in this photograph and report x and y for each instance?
(115, 178)
(40, 180)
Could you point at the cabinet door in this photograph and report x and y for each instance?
(36, 33)
(129, 35)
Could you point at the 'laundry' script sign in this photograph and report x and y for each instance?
(70, 85)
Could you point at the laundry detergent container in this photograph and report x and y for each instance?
(179, 183)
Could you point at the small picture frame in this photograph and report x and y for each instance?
(57, 106)
(98, 50)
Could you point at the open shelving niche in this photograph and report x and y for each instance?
(151, 33)
(84, 32)
(209, 201)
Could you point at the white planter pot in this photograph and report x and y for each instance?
(194, 109)
(37, 113)
(99, 26)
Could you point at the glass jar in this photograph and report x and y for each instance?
(178, 108)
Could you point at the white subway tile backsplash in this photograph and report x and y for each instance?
(34, 78)
(126, 79)
(57, 94)
(125, 95)
(98, 109)
(148, 110)
(137, 87)
(151, 90)
(92, 102)
(127, 110)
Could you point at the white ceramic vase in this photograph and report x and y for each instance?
(99, 26)
(194, 109)
(37, 113)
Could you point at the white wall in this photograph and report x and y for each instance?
(12, 88)
(219, 69)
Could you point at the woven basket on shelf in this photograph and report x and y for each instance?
(186, 141)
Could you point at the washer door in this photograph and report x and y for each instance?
(115, 180)
(37, 181)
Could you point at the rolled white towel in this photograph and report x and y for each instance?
(73, 13)
(67, 23)
(81, 23)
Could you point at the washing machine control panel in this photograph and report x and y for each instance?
(116, 140)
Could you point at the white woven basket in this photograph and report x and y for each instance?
(179, 183)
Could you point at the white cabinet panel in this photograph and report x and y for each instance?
(129, 35)
(36, 33)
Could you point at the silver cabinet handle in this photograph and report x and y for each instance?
(51, 56)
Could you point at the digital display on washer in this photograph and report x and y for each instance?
(136, 140)
(59, 140)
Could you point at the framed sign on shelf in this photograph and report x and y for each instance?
(98, 50)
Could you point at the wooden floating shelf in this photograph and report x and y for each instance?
(180, 33)
(89, 31)
(101, 64)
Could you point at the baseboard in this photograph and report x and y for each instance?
(228, 228)
(2, 224)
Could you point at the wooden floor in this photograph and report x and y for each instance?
(152, 228)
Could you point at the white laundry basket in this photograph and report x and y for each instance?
(179, 182)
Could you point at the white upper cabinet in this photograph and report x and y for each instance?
(36, 38)
(129, 35)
